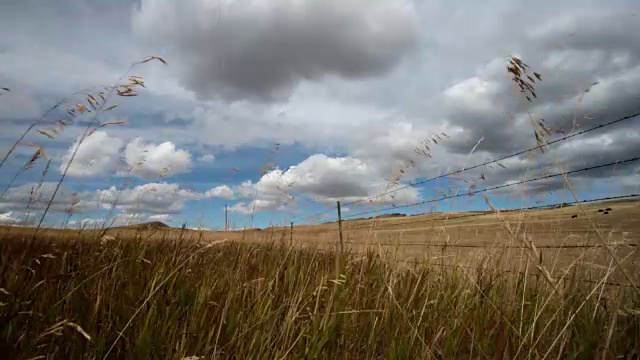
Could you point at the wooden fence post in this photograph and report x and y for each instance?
(340, 228)
(291, 234)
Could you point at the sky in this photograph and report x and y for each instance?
(277, 109)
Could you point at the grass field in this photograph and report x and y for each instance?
(141, 293)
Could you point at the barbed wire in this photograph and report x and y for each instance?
(470, 246)
(411, 184)
(471, 193)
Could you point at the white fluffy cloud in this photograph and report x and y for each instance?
(325, 180)
(262, 48)
(247, 208)
(160, 217)
(148, 202)
(149, 160)
(9, 218)
(101, 154)
(208, 158)
(157, 198)
(222, 191)
(97, 155)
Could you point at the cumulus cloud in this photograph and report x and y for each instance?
(100, 154)
(9, 218)
(156, 198)
(222, 191)
(324, 179)
(160, 217)
(208, 158)
(33, 196)
(149, 160)
(148, 202)
(248, 208)
(88, 223)
(97, 155)
(261, 49)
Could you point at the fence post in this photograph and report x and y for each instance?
(340, 228)
(539, 267)
(291, 234)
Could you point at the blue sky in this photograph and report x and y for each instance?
(279, 109)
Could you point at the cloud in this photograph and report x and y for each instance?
(9, 218)
(149, 202)
(248, 208)
(223, 192)
(485, 104)
(98, 155)
(630, 183)
(155, 198)
(19, 103)
(160, 217)
(148, 160)
(33, 196)
(88, 223)
(207, 158)
(261, 49)
(121, 219)
(310, 117)
(323, 179)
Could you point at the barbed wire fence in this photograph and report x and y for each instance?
(359, 215)
(356, 222)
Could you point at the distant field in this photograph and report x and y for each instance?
(564, 236)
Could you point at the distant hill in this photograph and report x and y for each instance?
(147, 226)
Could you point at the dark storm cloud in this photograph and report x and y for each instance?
(572, 52)
(570, 59)
(262, 49)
